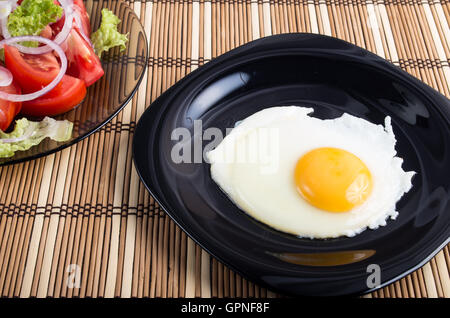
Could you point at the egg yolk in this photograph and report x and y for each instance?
(333, 179)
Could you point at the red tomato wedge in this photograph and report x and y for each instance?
(66, 95)
(83, 62)
(85, 23)
(81, 10)
(32, 72)
(8, 109)
(80, 4)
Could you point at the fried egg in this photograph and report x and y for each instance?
(311, 177)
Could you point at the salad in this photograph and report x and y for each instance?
(49, 57)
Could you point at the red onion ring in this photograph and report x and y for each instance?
(28, 132)
(6, 7)
(77, 18)
(67, 6)
(4, 20)
(6, 77)
(49, 87)
(5, 32)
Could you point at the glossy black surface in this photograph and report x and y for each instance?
(333, 77)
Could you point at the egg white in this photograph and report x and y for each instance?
(254, 165)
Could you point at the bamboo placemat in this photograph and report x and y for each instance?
(83, 210)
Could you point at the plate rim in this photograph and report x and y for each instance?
(173, 215)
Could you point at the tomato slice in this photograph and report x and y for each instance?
(83, 62)
(81, 9)
(66, 95)
(8, 109)
(32, 72)
(80, 4)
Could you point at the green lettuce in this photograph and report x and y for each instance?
(32, 16)
(28, 133)
(107, 36)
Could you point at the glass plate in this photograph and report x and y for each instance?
(104, 99)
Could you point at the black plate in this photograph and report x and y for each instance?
(332, 76)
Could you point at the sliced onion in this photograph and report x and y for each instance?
(77, 18)
(66, 3)
(5, 9)
(80, 26)
(9, 6)
(59, 39)
(13, 4)
(67, 6)
(86, 38)
(28, 132)
(5, 31)
(49, 87)
(6, 77)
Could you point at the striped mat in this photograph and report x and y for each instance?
(83, 210)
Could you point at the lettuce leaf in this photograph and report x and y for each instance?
(32, 16)
(107, 36)
(28, 133)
